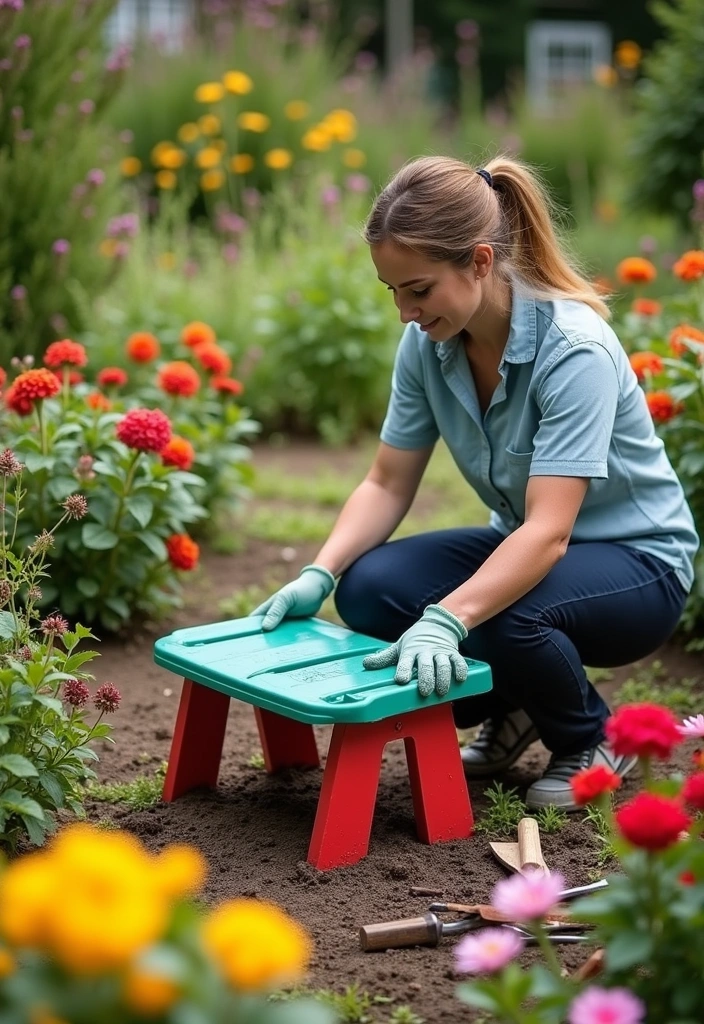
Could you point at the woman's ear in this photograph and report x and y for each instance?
(483, 259)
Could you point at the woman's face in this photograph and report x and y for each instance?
(439, 297)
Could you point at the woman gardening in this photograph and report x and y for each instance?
(587, 558)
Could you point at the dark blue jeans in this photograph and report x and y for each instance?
(602, 605)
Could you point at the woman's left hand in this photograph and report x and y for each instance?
(430, 648)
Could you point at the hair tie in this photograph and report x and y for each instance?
(483, 173)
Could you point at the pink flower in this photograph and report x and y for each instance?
(692, 727)
(527, 897)
(487, 951)
(606, 1006)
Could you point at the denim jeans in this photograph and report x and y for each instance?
(602, 605)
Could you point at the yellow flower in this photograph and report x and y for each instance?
(7, 963)
(189, 131)
(237, 82)
(166, 260)
(278, 159)
(256, 945)
(296, 110)
(159, 151)
(107, 247)
(317, 139)
(212, 180)
(628, 54)
(166, 179)
(149, 994)
(209, 124)
(241, 163)
(180, 870)
(210, 92)
(173, 158)
(341, 124)
(27, 888)
(354, 158)
(130, 166)
(605, 76)
(253, 121)
(42, 1015)
(81, 941)
(207, 158)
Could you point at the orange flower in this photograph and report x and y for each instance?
(646, 363)
(677, 334)
(662, 405)
(196, 333)
(690, 265)
(213, 358)
(183, 552)
(227, 385)
(98, 401)
(178, 378)
(178, 452)
(636, 270)
(112, 376)
(30, 387)
(65, 353)
(647, 307)
(142, 347)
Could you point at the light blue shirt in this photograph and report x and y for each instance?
(568, 404)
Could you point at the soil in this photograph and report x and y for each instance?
(255, 828)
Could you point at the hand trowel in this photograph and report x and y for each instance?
(526, 854)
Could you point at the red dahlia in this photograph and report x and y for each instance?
(147, 430)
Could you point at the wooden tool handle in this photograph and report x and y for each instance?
(411, 931)
(530, 854)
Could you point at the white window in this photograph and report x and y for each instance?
(164, 21)
(562, 56)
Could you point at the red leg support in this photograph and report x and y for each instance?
(196, 748)
(286, 743)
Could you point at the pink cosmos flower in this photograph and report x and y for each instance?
(528, 897)
(692, 727)
(487, 951)
(606, 1006)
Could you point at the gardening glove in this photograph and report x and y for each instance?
(298, 599)
(428, 649)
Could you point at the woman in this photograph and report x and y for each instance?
(588, 555)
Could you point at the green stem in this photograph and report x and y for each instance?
(129, 480)
(66, 389)
(646, 766)
(548, 950)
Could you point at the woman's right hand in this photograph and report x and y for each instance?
(298, 599)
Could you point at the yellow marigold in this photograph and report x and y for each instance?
(241, 163)
(354, 158)
(317, 139)
(149, 994)
(8, 964)
(173, 158)
(158, 151)
(27, 888)
(82, 942)
(636, 270)
(237, 82)
(130, 166)
(211, 181)
(180, 870)
(278, 159)
(188, 132)
(690, 265)
(296, 110)
(605, 76)
(253, 121)
(166, 179)
(208, 158)
(209, 124)
(628, 54)
(256, 944)
(341, 124)
(210, 92)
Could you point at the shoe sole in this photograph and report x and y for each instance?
(564, 801)
(486, 770)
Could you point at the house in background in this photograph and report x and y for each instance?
(166, 20)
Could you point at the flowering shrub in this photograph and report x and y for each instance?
(96, 929)
(647, 921)
(44, 737)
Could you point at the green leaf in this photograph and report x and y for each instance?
(61, 486)
(119, 606)
(52, 703)
(18, 765)
(155, 545)
(4, 735)
(98, 538)
(628, 949)
(51, 784)
(8, 628)
(87, 586)
(473, 995)
(36, 830)
(74, 662)
(35, 461)
(12, 800)
(140, 506)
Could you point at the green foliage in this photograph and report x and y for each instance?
(504, 812)
(651, 684)
(144, 791)
(606, 850)
(51, 136)
(550, 819)
(668, 144)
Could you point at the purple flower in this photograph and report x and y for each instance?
(230, 252)
(487, 951)
(86, 107)
(18, 293)
(698, 190)
(251, 197)
(23, 42)
(330, 196)
(124, 226)
(119, 59)
(79, 190)
(95, 176)
(229, 223)
(11, 5)
(121, 250)
(61, 246)
(357, 183)
(365, 61)
(617, 1005)
(467, 30)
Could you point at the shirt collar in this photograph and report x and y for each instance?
(522, 340)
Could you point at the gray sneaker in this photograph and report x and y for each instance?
(554, 789)
(499, 745)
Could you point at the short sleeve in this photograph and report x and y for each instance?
(578, 397)
(409, 422)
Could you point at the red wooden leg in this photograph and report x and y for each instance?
(440, 794)
(196, 747)
(286, 743)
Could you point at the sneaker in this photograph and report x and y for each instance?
(554, 789)
(499, 745)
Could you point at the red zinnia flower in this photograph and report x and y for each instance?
(687, 878)
(112, 376)
(178, 378)
(98, 401)
(227, 385)
(690, 265)
(196, 333)
(652, 822)
(3, 376)
(213, 358)
(592, 783)
(645, 362)
(147, 430)
(178, 452)
(142, 347)
(30, 387)
(65, 353)
(647, 307)
(693, 791)
(677, 345)
(636, 270)
(662, 406)
(646, 730)
(183, 552)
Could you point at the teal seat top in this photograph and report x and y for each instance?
(306, 669)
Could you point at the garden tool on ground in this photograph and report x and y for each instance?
(526, 854)
(489, 913)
